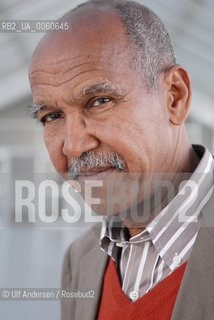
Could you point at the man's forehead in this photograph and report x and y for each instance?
(86, 30)
(103, 42)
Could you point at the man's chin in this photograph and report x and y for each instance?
(128, 217)
(103, 210)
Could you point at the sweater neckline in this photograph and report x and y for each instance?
(164, 288)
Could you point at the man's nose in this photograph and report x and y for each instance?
(77, 137)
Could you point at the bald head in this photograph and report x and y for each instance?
(152, 49)
(91, 40)
(87, 26)
(137, 29)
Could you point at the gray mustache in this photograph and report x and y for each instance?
(90, 159)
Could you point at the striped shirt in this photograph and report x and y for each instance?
(166, 242)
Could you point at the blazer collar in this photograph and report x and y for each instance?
(91, 276)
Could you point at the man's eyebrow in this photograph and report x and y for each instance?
(33, 110)
(105, 87)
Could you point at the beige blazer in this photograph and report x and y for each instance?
(84, 268)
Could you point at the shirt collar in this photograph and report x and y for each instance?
(183, 209)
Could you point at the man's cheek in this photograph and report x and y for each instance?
(59, 163)
(58, 159)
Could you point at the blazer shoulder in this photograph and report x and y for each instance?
(87, 241)
(76, 251)
(81, 246)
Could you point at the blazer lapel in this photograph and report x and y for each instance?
(195, 298)
(91, 275)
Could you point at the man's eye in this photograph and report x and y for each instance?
(50, 117)
(100, 101)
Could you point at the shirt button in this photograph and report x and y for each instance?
(133, 295)
(177, 259)
(120, 244)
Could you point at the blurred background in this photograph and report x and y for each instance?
(30, 253)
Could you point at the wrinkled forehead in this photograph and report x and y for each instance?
(92, 32)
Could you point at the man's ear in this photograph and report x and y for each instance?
(178, 89)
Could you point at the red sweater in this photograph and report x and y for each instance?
(157, 304)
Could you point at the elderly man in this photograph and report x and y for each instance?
(113, 103)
